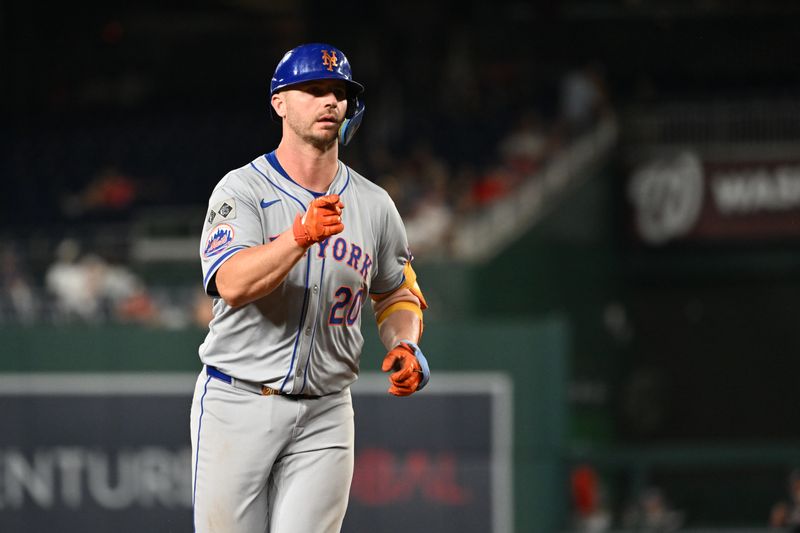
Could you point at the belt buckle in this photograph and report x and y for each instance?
(268, 391)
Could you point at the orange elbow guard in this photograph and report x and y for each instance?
(412, 285)
(399, 306)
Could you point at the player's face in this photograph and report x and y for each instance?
(315, 110)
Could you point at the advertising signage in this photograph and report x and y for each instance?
(686, 197)
(97, 453)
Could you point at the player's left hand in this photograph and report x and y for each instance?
(409, 368)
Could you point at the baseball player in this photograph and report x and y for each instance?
(293, 244)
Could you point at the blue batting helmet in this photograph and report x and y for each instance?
(319, 61)
(316, 61)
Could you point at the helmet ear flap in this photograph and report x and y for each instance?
(352, 107)
(352, 121)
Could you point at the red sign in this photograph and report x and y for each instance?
(384, 477)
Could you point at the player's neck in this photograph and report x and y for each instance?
(309, 166)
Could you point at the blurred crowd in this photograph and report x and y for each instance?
(432, 182)
(785, 514)
(647, 511)
(433, 191)
(82, 287)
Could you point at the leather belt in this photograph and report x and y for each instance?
(251, 386)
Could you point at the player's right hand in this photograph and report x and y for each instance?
(322, 219)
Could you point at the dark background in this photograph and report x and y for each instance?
(680, 346)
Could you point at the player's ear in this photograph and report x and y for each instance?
(279, 104)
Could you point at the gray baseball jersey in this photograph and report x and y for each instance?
(304, 337)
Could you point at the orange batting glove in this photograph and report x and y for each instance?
(323, 219)
(410, 369)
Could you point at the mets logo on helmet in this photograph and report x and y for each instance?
(329, 59)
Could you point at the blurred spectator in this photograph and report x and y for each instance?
(88, 288)
(202, 309)
(651, 513)
(584, 99)
(590, 513)
(428, 226)
(464, 179)
(129, 298)
(110, 192)
(525, 147)
(785, 514)
(66, 280)
(494, 184)
(18, 295)
(120, 293)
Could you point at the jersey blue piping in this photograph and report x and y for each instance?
(197, 454)
(300, 325)
(273, 160)
(402, 281)
(321, 283)
(346, 183)
(314, 331)
(287, 193)
(218, 262)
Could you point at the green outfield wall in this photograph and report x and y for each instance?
(532, 354)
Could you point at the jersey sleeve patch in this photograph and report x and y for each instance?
(226, 210)
(219, 239)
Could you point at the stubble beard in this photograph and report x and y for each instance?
(322, 141)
